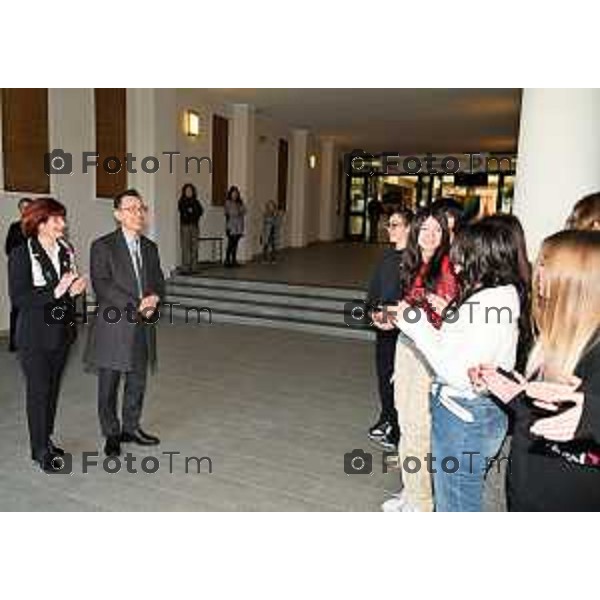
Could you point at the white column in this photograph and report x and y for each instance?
(299, 187)
(327, 188)
(558, 158)
(241, 173)
(151, 132)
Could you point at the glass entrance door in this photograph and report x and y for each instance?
(356, 221)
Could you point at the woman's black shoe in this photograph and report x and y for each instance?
(51, 463)
(53, 449)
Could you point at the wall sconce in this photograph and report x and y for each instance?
(192, 123)
(312, 160)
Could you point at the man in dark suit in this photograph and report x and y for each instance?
(14, 239)
(128, 282)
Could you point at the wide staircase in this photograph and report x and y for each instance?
(311, 309)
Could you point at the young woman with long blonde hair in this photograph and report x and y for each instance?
(555, 454)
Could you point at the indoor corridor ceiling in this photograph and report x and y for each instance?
(406, 120)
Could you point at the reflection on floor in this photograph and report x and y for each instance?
(339, 264)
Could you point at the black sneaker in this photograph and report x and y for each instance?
(379, 430)
(390, 440)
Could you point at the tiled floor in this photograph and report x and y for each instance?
(274, 410)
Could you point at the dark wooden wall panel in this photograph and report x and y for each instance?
(220, 159)
(111, 139)
(25, 139)
(282, 174)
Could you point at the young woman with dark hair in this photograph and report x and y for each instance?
(235, 212)
(42, 280)
(454, 212)
(468, 427)
(513, 225)
(555, 452)
(427, 281)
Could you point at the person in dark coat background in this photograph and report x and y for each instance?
(15, 238)
(190, 212)
(128, 282)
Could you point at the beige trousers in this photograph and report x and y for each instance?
(412, 383)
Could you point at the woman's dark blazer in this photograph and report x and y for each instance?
(36, 328)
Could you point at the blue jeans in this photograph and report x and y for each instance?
(467, 449)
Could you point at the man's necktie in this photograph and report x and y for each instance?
(137, 260)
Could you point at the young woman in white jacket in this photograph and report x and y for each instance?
(468, 428)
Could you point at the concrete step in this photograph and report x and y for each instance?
(312, 309)
(284, 300)
(312, 291)
(275, 323)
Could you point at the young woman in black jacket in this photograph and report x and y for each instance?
(42, 282)
(555, 453)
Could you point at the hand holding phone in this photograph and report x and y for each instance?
(504, 385)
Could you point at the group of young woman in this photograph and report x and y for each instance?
(483, 342)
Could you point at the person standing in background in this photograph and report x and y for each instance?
(127, 277)
(15, 238)
(190, 212)
(235, 212)
(271, 224)
(454, 212)
(374, 211)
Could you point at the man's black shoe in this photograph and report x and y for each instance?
(140, 437)
(112, 447)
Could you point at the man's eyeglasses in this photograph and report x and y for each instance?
(135, 209)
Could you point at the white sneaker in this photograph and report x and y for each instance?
(395, 503)
(399, 503)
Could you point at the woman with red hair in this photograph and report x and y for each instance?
(42, 283)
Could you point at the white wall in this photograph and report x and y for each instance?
(268, 134)
(71, 127)
(212, 223)
(155, 124)
(313, 191)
